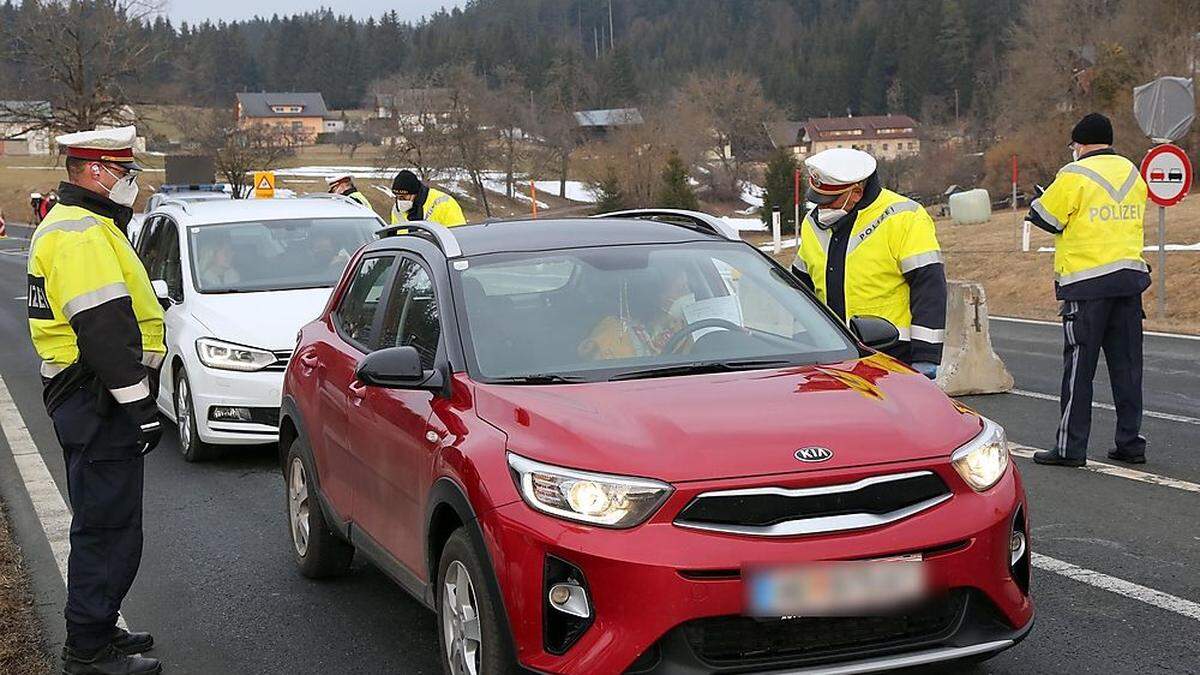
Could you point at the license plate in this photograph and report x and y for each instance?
(844, 588)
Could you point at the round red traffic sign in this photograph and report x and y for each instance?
(1168, 173)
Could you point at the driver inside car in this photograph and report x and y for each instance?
(649, 315)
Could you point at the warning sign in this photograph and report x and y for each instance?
(1168, 174)
(264, 184)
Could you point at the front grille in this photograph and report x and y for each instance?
(774, 511)
(745, 641)
(281, 361)
(267, 416)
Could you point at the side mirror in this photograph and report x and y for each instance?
(161, 290)
(398, 368)
(874, 332)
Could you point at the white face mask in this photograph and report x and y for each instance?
(829, 217)
(403, 205)
(1074, 153)
(125, 190)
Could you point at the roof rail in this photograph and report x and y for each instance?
(440, 234)
(328, 195)
(695, 220)
(181, 203)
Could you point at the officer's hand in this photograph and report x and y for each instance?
(145, 415)
(927, 369)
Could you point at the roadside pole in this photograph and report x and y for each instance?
(1024, 223)
(533, 197)
(776, 234)
(796, 205)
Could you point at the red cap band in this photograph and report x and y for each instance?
(829, 188)
(101, 155)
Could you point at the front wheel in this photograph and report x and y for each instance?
(472, 637)
(318, 551)
(191, 446)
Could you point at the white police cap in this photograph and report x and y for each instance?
(833, 172)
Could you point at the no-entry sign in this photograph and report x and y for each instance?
(1168, 173)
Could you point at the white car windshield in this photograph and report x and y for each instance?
(275, 255)
(630, 311)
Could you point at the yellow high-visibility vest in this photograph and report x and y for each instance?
(889, 238)
(439, 207)
(79, 260)
(1096, 205)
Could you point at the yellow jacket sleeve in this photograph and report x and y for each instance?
(1054, 208)
(448, 213)
(917, 244)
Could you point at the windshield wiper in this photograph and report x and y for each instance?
(538, 378)
(701, 368)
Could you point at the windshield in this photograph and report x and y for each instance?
(274, 255)
(614, 312)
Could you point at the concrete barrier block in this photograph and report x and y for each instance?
(969, 364)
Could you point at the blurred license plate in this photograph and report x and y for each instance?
(847, 588)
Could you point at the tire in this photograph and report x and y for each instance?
(319, 552)
(191, 446)
(493, 652)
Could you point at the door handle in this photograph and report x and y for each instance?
(357, 391)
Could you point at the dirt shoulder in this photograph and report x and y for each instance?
(20, 629)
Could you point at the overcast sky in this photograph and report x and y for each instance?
(194, 11)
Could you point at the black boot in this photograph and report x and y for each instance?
(1052, 458)
(1127, 457)
(107, 661)
(132, 643)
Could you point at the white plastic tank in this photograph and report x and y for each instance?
(971, 207)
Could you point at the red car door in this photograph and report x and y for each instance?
(333, 361)
(391, 433)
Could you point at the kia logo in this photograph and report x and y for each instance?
(814, 454)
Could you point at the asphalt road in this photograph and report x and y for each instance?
(220, 592)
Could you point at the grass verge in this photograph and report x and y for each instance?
(20, 630)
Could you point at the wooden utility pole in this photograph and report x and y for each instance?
(611, 43)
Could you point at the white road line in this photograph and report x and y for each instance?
(48, 503)
(1118, 471)
(1108, 406)
(1057, 324)
(1166, 601)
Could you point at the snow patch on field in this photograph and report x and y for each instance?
(746, 224)
(753, 194)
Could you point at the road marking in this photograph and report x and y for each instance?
(1057, 324)
(48, 503)
(1092, 465)
(1108, 406)
(1150, 596)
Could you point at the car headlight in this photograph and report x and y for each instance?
(982, 461)
(596, 498)
(228, 356)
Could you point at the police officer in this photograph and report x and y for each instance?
(343, 184)
(866, 250)
(98, 328)
(417, 201)
(1094, 208)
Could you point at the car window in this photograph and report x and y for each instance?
(412, 318)
(148, 248)
(356, 313)
(168, 253)
(622, 309)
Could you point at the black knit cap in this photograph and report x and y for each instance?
(1093, 129)
(406, 181)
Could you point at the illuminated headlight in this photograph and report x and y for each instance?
(982, 461)
(596, 498)
(227, 356)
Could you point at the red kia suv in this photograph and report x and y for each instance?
(636, 444)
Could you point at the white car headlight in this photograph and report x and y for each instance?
(596, 498)
(227, 356)
(982, 461)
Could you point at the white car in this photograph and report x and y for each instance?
(241, 278)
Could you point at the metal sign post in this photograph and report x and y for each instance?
(1168, 175)
(796, 205)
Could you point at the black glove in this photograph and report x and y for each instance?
(145, 415)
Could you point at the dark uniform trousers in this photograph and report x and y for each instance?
(104, 483)
(1114, 325)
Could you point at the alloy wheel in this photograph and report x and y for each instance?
(183, 414)
(460, 621)
(298, 505)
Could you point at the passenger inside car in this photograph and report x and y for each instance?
(216, 268)
(649, 314)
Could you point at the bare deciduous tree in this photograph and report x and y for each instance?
(87, 55)
(468, 136)
(238, 151)
(734, 108)
(417, 117)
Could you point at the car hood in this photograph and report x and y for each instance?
(269, 320)
(728, 425)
